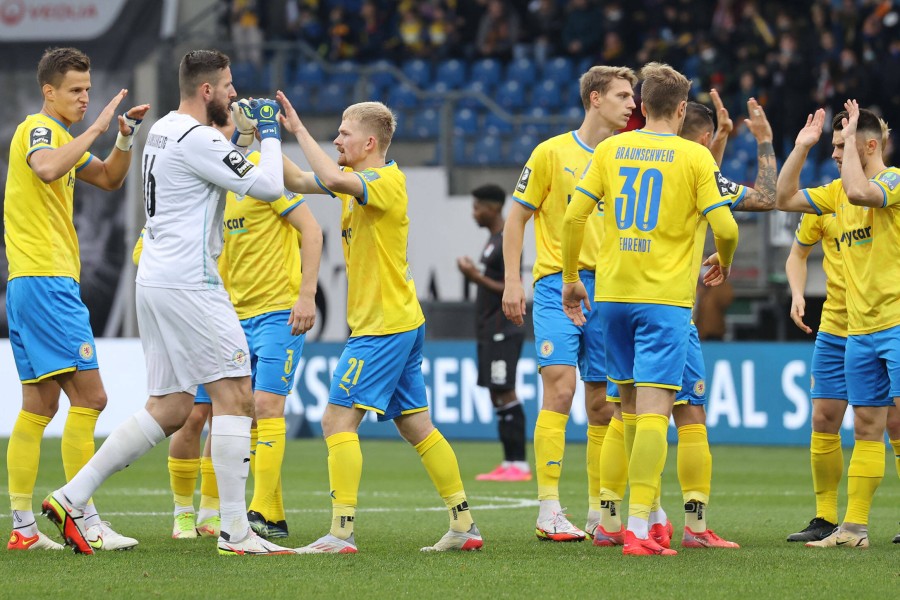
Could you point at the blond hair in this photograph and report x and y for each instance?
(663, 89)
(599, 78)
(376, 118)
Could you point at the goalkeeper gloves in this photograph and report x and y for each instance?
(263, 114)
(243, 127)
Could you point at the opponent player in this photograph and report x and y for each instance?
(657, 179)
(865, 200)
(499, 341)
(544, 190)
(380, 369)
(189, 329)
(49, 328)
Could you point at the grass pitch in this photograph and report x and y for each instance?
(759, 496)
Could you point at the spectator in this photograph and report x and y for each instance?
(498, 31)
(246, 34)
(581, 31)
(544, 29)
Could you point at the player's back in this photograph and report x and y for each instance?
(827, 229)
(653, 188)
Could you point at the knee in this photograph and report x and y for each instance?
(95, 401)
(826, 423)
(599, 412)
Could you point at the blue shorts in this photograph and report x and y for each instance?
(557, 340)
(646, 343)
(827, 378)
(49, 327)
(274, 353)
(693, 381)
(382, 373)
(872, 367)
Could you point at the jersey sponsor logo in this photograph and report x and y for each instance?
(370, 176)
(86, 351)
(726, 186)
(235, 161)
(41, 135)
(523, 180)
(854, 237)
(235, 226)
(546, 348)
(890, 179)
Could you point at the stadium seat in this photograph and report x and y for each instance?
(511, 96)
(418, 72)
(461, 151)
(735, 169)
(451, 73)
(332, 98)
(583, 65)
(487, 71)
(520, 148)
(546, 95)
(465, 122)
(380, 73)
(301, 96)
(559, 70)
(244, 77)
(808, 174)
(494, 124)
(374, 92)
(402, 96)
(487, 151)
(426, 124)
(309, 73)
(536, 129)
(522, 70)
(345, 72)
(827, 172)
(405, 124)
(476, 87)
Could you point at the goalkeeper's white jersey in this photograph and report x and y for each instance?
(187, 169)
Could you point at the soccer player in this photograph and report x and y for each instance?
(544, 190)
(661, 184)
(865, 200)
(499, 341)
(189, 329)
(380, 369)
(49, 327)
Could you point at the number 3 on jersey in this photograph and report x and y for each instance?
(639, 203)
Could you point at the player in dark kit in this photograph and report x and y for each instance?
(499, 341)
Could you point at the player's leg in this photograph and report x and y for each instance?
(828, 391)
(613, 476)
(209, 523)
(184, 468)
(893, 429)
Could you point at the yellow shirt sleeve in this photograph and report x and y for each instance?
(574, 223)
(889, 182)
(823, 199)
(809, 230)
(725, 232)
(138, 248)
(534, 182)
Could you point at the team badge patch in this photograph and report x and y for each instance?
(523, 180)
(726, 186)
(700, 388)
(239, 357)
(237, 163)
(890, 179)
(546, 348)
(369, 176)
(41, 135)
(86, 351)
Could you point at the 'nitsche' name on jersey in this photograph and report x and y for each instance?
(645, 154)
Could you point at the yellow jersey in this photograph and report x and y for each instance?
(546, 187)
(381, 293)
(40, 237)
(869, 236)
(827, 229)
(651, 187)
(260, 260)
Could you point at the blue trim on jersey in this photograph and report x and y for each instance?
(322, 185)
(715, 206)
(796, 239)
(86, 163)
(58, 122)
(739, 200)
(645, 132)
(581, 143)
(811, 203)
(883, 192)
(525, 204)
(587, 193)
(292, 206)
(365, 199)
(35, 149)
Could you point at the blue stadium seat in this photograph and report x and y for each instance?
(828, 171)
(402, 96)
(300, 95)
(451, 73)
(520, 148)
(546, 95)
(418, 71)
(427, 124)
(511, 96)
(332, 98)
(522, 70)
(461, 151)
(470, 102)
(405, 125)
(808, 174)
(345, 72)
(380, 73)
(465, 121)
(309, 73)
(487, 71)
(487, 151)
(735, 169)
(559, 70)
(583, 65)
(494, 124)
(572, 97)
(574, 115)
(372, 91)
(244, 77)
(536, 129)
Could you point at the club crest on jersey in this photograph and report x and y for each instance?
(42, 135)
(890, 179)
(523, 180)
(546, 348)
(235, 161)
(726, 186)
(700, 388)
(239, 357)
(86, 351)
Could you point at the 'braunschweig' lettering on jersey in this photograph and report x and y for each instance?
(546, 187)
(381, 293)
(652, 194)
(260, 262)
(827, 229)
(37, 216)
(187, 170)
(868, 237)
(732, 192)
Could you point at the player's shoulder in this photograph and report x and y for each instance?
(889, 178)
(390, 172)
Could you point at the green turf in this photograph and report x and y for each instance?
(759, 496)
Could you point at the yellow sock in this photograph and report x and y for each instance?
(694, 463)
(344, 473)
(277, 505)
(595, 435)
(629, 423)
(209, 487)
(863, 476)
(549, 447)
(78, 439)
(613, 476)
(269, 458)
(22, 458)
(648, 457)
(440, 462)
(254, 437)
(183, 474)
(895, 444)
(827, 461)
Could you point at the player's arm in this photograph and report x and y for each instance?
(724, 129)
(299, 181)
(788, 195)
(328, 171)
(761, 197)
(471, 272)
(860, 191)
(109, 174)
(725, 235)
(574, 292)
(795, 268)
(513, 239)
(303, 313)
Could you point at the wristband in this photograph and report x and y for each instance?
(124, 142)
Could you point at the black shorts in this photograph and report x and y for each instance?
(497, 362)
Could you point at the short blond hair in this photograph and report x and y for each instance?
(377, 118)
(599, 78)
(663, 89)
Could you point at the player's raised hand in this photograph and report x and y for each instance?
(798, 311)
(101, 124)
(129, 122)
(303, 314)
(726, 125)
(812, 131)
(573, 295)
(290, 120)
(244, 128)
(757, 122)
(514, 303)
(850, 122)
